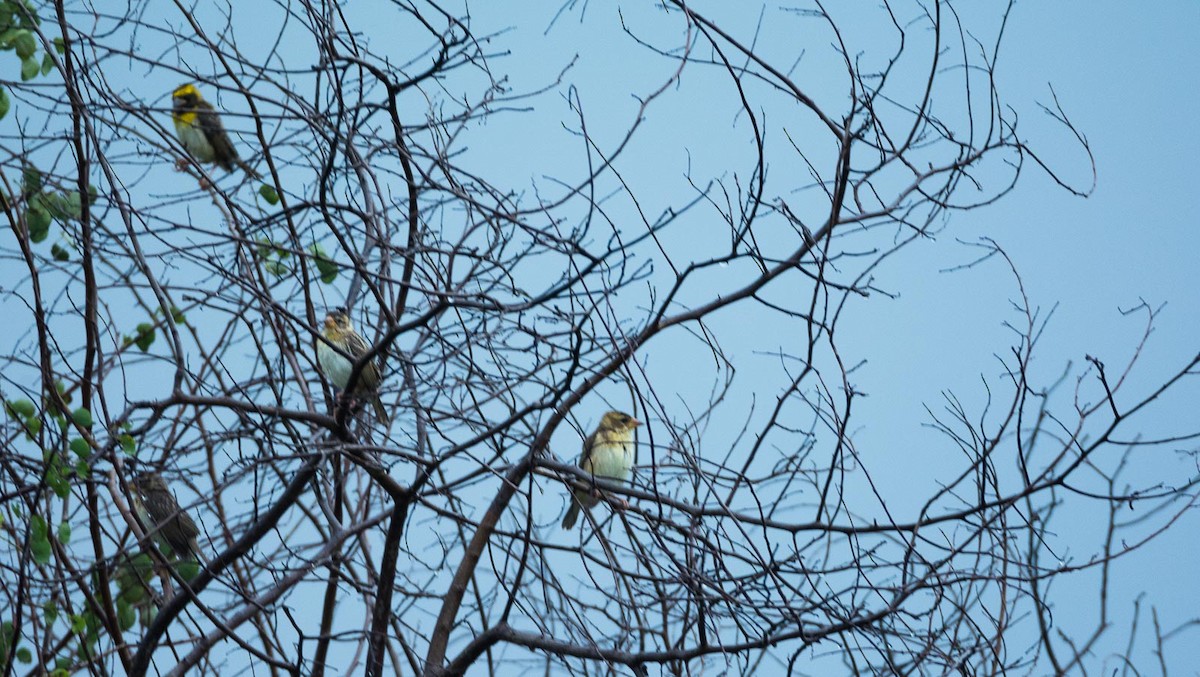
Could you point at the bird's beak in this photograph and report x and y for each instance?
(330, 322)
(633, 423)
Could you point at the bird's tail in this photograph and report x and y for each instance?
(380, 413)
(572, 515)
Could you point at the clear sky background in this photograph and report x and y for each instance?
(1125, 74)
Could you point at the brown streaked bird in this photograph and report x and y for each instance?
(161, 513)
(608, 453)
(201, 132)
(337, 354)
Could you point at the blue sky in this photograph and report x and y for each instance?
(1122, 73)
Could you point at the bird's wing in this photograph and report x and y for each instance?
(585, 458)
(187, 525)
(357, 346)
(214, 131)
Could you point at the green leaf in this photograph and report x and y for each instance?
(29, 68)
(62, 391)
(177, 315)
(33, 426)
(50, 611)
(82, 469)
(38, 220)
(268, 193)
(31, 180)
(25, 44)
(126, 616)
(188, 569)
(149, 613)
(5, 103)
(82, 417)
(39, 541)
(29, 17)
(128, 444)
(93, 626)
(61, 206)
(78, 623)
(60, 253)
(24, 656)
(60, 46)
(73, 203)
(143, 563)
(145, 336)
(276, 268)
(55, 479)
(325, 266)
(80, 447)
(132, 590)
(47, 63)
(20, 408)
(64, 533)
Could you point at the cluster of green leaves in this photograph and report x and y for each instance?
(44, 205)
(57, 476)
(134, 594)
(41, 549)
(39, 538)
(86, 626)
(57, 468)
(145, 333)
(18, 21)
(274, 260)
(7, 635)
(26, 413)
(62, 664)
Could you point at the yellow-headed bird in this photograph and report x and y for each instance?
(608, 453)
(201, 132)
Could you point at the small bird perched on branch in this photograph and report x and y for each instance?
(201, 132)
(337, 354)
(161, 513)
(608, 453)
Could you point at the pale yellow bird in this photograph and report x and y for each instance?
(337, 366)
(607, 453)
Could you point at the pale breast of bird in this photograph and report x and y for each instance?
(334, 365)
(612, 459)
(194, 140)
